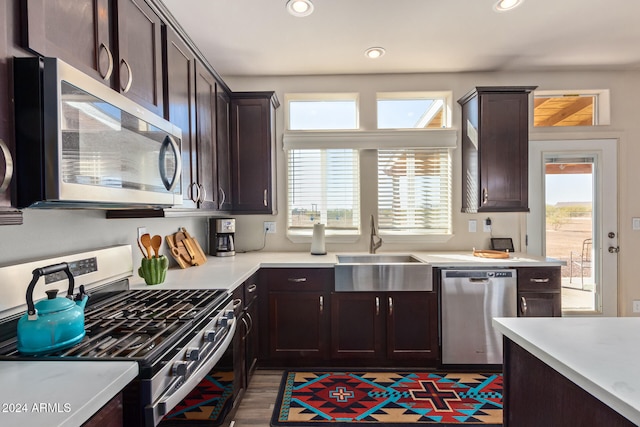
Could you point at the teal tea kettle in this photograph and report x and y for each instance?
(54, 323)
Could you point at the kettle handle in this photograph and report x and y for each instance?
(43, 271)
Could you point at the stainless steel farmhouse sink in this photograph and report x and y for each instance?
(382, 272)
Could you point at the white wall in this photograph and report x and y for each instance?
(625, 126)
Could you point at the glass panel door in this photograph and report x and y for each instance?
(569, 230)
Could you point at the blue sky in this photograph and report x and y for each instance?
(569, 188)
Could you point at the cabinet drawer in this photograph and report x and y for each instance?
(547, 279)
(298, 279)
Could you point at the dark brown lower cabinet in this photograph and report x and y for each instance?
(539, 292)
(386, 328)
(110, 415)
(537, 395)
(294, 316)
(412, 326)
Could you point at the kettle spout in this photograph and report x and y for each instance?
(81, 298)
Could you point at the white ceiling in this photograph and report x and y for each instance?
(258, 37)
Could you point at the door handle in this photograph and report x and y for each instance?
(614, 249)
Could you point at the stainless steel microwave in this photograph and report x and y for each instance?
(81, 144)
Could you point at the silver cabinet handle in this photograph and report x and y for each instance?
(252, 288)
(485, 196)
(264, 199)
(106, 74)
(8, 166)
(197, 187)
(222, 197)
(297, 279)
(236, 303)
(321, 304)
(377, 306)
(247, 328)
(250, 322)
(126, 87)
(523, 306)
(390, 306)
(541, 280)
(203, 193)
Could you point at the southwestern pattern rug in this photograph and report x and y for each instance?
(389, 398)
(206, 405)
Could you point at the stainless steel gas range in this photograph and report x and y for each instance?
(176, 336)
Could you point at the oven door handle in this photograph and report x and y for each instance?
(180, 386)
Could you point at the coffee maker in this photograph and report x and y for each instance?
(221, 236)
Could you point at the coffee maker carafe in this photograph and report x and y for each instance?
(221, 236)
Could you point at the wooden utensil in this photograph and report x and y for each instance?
(199, 255)
(145, 239)
(156, 242)
(175, 252)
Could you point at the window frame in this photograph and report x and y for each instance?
(320, 97)
(601, 107)
(445, 96)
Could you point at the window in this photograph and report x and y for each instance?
(323, 187)
(414, 191)
(324, 146)
(413, 110)
(571, 108)
(311, 111)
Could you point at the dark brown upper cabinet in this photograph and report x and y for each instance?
(223, 149)
(495, 140)
(140, 53)
(206, 187)
(118, 42)
(180, 108)
(253, 154)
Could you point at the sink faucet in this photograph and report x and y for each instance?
(373, 244)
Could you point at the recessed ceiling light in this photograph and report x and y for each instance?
(504, 5)
(300, 7)
(374, 52)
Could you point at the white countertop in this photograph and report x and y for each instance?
(598, 354)
(230, 272)
(52, 394)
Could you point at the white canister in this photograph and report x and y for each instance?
(317, 241)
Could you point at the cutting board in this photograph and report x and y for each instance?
(185, 249)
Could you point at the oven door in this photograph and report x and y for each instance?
(194, 359)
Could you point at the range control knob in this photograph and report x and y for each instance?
(229, 314)
(193, 354)
(179, 369)
(223, 322)
(209, 335)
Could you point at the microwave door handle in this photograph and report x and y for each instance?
(169, 142)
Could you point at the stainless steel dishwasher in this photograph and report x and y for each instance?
(470, 299)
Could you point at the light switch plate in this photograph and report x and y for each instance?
(473, 226)
(635, 223)
(636, 306)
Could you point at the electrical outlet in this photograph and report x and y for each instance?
(486, 225)
(473, 225)
(269, 227)
(141, 231)
(636, 306)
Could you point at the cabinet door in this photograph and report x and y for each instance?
(180, 107)
(539, 304)
(298, 326)
(77, 32)
(253, 153)
(357, 325)
(252, 327)
(504, 146)
(412, 325)
(206, 138)
(223, 149)
(239, 351)
(139, 68)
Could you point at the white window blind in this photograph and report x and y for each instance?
(323, 187)
(414, 191)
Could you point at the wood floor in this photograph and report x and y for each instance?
(257, 404)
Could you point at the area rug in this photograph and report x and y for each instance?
(389, 398)
(206, 405)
